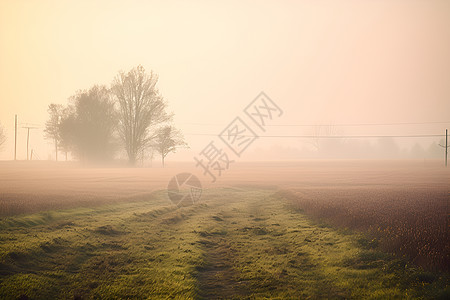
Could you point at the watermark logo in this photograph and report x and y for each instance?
(262, 110)
(184, 189)
(236, 137)
(213, 161)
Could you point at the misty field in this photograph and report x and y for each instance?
(325, 229)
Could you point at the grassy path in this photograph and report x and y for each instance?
(238, 243)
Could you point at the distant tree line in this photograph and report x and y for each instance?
(130, 115)
(341, 148)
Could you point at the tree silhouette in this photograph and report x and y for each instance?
(88, 125)
(167, 140)
(52, 130)
(141, 109)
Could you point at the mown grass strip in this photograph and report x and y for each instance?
(238, 243)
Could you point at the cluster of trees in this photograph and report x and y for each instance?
(130, 115)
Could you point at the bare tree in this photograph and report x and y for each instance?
(141, 109)
(52, 130)
(2, 136)
(167, 139)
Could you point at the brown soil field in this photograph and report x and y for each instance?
(33, 186)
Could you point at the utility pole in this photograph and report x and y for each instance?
(446, 146)
(28, 137)
(15, 138)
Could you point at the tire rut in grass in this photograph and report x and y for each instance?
(217, 278)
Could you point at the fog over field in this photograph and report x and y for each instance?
(60, 182)
(359, 68)
(224, 149)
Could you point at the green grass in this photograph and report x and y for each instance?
(237, 243)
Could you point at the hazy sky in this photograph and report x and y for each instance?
(320, 61)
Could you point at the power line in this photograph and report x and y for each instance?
(363, 124)
(331, 125)
(301, 125)
(330, 136)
